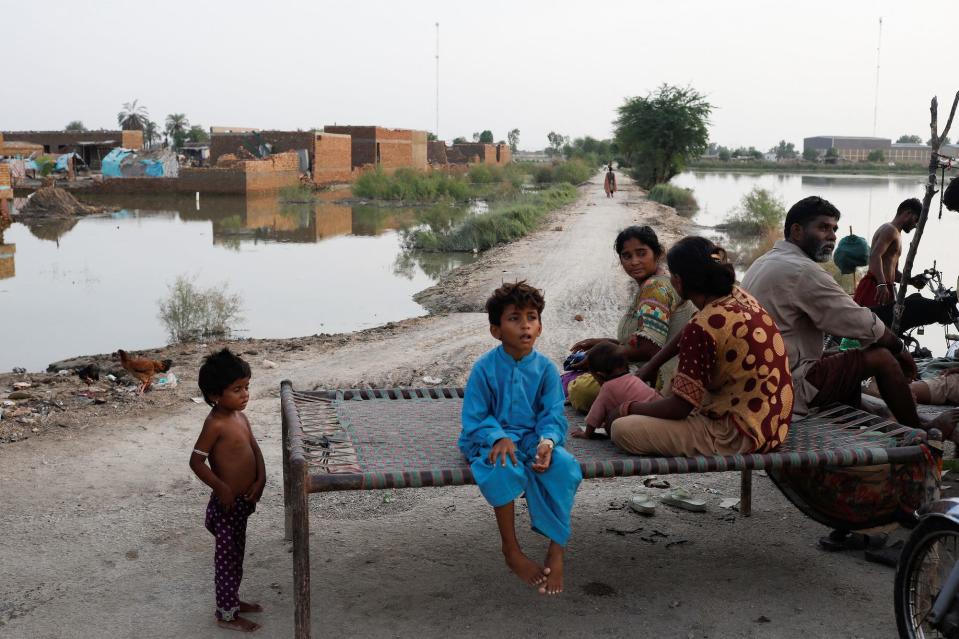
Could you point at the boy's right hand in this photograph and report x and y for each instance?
(225, 496)
(587, 433)
(502, 449)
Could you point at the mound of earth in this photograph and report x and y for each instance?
(51, 201)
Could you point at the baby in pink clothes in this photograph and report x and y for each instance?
(610, 368)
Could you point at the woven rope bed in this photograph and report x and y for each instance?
(365, 439)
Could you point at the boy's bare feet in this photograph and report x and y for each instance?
(247, 606)
(554, 570)
(239, 624)
(524, 567)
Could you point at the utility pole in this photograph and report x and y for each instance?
(875, 106)
(438, 81)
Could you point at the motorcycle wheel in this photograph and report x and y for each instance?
(925, 563)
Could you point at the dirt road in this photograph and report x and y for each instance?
(101, 532)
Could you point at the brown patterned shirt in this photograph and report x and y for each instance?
(732, 364)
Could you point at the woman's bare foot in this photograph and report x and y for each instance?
(554, 570)
(946, 423)
(239, 624)
(524, 567)
(247, 606)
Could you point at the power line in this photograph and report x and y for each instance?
(438, 81)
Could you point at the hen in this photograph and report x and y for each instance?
(143, 369)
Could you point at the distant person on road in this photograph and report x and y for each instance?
(513, 432)
(609, 184)
(236, 474)
(657, 314)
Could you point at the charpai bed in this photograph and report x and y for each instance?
(843, 467)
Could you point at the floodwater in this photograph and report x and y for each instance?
(865, 202)
(93, 285)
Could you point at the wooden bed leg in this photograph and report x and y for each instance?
(285, 454)
(746, 493)
(932, 481)
(301, 549)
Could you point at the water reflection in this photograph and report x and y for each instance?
(323, 265)
(8, 267)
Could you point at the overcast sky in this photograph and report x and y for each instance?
(773, 70)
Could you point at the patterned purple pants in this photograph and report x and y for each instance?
(230, 532)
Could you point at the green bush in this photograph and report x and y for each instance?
(573, 171)
(191, 313)
(484, 174)
(411, 186)
(675, 196)
(758, 212)
(505, 222)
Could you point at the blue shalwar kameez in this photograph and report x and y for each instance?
(522, 400)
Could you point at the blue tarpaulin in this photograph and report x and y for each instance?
(62, 161)
(110, 167)
(153, 168)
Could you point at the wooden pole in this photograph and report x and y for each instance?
(746, 493)
(301, 549)
(931, 190)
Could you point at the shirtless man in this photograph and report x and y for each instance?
(877, 288)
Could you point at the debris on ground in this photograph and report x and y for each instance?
(55, 202)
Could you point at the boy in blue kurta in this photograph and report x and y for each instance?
(513, 434)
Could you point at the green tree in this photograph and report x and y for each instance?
(431, 137)
(151, 133)
(177, 128)
(459, 140)
(909, 139)
(75, 125)
(658, 133)
(832, 153)
(513, 138)
(197, 134)
(556, 142)
(876, 156)
(132, 116)
(810, 154)
(486, 137)
(785, 150)
(724, 154)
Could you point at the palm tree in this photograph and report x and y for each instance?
(177, 127)
(133, 116)
(150, 133)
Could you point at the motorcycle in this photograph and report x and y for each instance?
(919, 312)
(927, 577)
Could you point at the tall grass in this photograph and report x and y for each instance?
(505, 222)
(411, 186)
(573, 171)
(758, 212)
(191, 313)
(675, 196)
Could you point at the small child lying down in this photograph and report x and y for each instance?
(610, 368)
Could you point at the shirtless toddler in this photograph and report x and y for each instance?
(236, 474)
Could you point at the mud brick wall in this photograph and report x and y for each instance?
(503, 154)
(60, 141)
(362, 142)
(395, 146)
(436, 152)
(6, 182)
(477, 153)
(8, 265)
(131, 139)
(245, 176)
(136, 185)
(223, 143)
(333, 159)
(420, 154)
